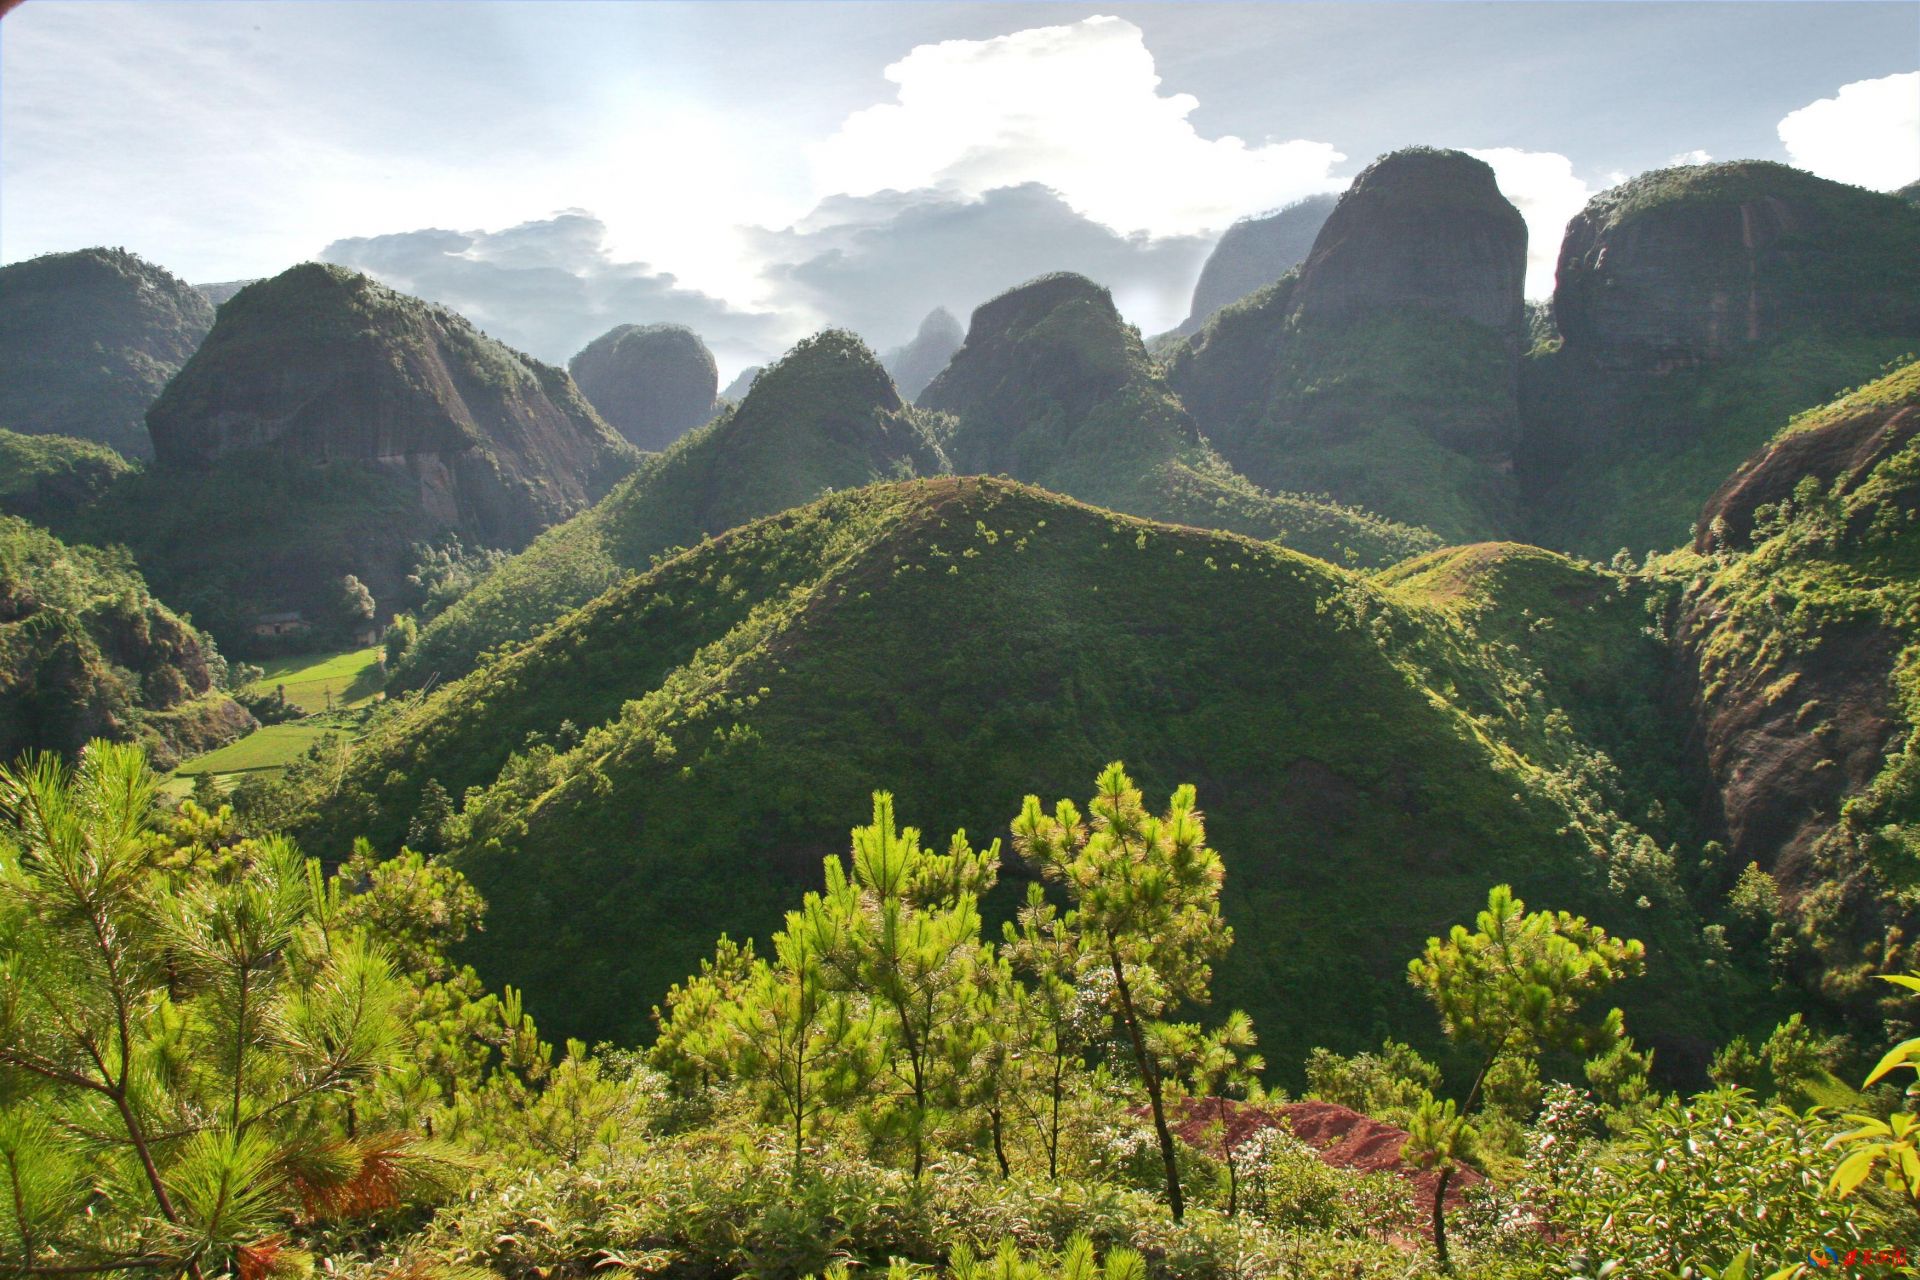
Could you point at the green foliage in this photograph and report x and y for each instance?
(1811, 622)
(445, 573)
(1700, 1180)
(1386, 1085)
(1519, 983)
(1633, 464)
(1146, 905)
(1054, 389)
(824, 417)
(254, 532)
(903, 931)
(1781, 1069)
(47, 478)
(1439, 1138)
(86, 651)
(734, 702)
(181, 1038)
(1400, 412)
(352, 603)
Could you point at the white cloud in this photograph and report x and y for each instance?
(1695, 156)
(552, 285)
(1077, 108)
(1543, 186)
(1867, 134)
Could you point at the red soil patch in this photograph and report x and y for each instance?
(1344, 1138)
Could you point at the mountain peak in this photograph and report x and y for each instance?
(88, 339)
(653, 383)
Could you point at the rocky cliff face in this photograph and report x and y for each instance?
(1792, 643)
(920, 361)
(88, 339)
(653, 383)
(1425, 229)
(1384, 370)
(1700, 307)
(1686, 266)
(1253, 254)
(321, 365)
(1038, 361)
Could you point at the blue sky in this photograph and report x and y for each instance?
(794, 164)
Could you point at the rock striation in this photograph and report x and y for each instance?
(87, 341)
(322, 365)
(1686, 266)
(916, 364)
(653, 383)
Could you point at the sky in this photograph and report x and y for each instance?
(761, 170)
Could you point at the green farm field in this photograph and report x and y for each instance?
(350, 678)
(273, 746)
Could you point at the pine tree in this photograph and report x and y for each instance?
(795, 1042)
(1215, 1063)
(1050, 1019)
(1517, 985)
(1146, 904)
(903, 931)
(183, 1032)
(1438, 1137)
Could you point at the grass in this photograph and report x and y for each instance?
(273, 746)
(327, 681)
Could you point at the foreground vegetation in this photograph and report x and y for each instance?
(216, 1058)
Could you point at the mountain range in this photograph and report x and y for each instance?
(1332, 551)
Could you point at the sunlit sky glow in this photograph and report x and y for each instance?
(548, 166)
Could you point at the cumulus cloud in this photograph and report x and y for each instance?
(878, 263)
(1695, 156)
(550, 286)
(1867, 134)
(1543, 186)
(1076, 107)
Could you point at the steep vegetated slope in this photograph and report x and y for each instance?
(88, 339)
(86, 651)
(1053, 388)
(673, 760)
(1252, 254)
(653, 383)
(1385, 371)
(52, 478)
(824, 417)
(916, 364)
(329, 423)
(1798, 631)
(1699, 308)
